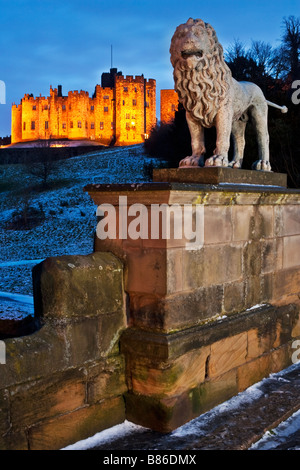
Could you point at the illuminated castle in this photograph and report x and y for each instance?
(121, 111)
(168, 105)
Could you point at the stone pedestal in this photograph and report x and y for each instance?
(220, 175)
(207, 321)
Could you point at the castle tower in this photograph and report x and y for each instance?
(168, 105)
(16, 123)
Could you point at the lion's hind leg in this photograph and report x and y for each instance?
(259, 115)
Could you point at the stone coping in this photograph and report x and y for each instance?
(176, 186)
(192, 193)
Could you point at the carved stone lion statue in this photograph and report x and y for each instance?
(212, 97)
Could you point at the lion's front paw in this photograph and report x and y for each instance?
(217, 160)
(263, 165)
(192, 161)
(235, 164)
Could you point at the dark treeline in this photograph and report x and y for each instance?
(5, 140)
(276, 70)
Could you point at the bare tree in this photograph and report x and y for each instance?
(262, 54)
(235, 51)
(45, 166)
(291, 45)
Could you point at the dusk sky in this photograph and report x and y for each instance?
(68, 42)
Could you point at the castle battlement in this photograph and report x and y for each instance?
(103, 117)
(130, 79)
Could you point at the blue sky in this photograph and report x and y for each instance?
(68, 42)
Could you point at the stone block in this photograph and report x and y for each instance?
(38, 355)
(253, 291)
(150, 265)
(252, 259)
(109, 245)
(46, 398)
(79, 285)
(14, 440)
(213, 392)
(286, 325)
(253, 371)
(217, 224)
(212, 265)
(154, 271)
(176, 311)
(272, 255)
(168, 413)
(286, 283)
(262, 340)
(4, 412)
(227, 354)
(291, 251)
(281, 358)
(234, 297)
(296, 328)
(267, 288)
(264, 221)
(290, 219)
(174, 269)
(169, 378)
(82, 423)
(242, 222)
(252, 222)
(106, 380)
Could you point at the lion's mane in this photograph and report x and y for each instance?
(202, 89)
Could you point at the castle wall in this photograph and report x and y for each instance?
(16, 123)
(122, 114)
(150, 105)
(168, 105)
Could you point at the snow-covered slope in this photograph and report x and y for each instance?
(70, 214)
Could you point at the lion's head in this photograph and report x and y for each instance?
(201, 76)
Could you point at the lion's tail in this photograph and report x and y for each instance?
(284, 109)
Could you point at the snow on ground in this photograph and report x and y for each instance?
(279, 435)
(70, 214)
(122, 430)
